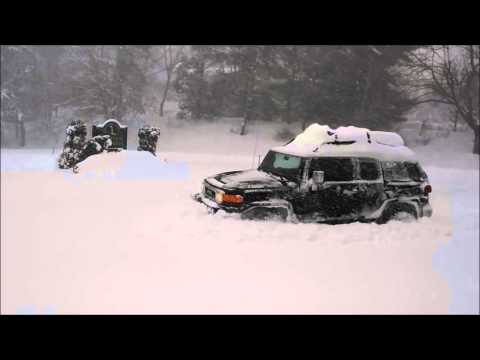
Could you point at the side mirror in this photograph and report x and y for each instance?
(318, 177)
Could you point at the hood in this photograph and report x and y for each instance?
(250, 179)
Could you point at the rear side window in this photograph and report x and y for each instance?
(416, 172)
(369, 169)
(336, 169)
(399, 171)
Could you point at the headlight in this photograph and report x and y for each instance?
(219, 197)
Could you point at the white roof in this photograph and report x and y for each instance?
(314, 142)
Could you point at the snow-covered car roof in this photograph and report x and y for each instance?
(377, 151)
(319, 141)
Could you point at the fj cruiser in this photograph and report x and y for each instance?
(324, 175)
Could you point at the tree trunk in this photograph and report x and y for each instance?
(476, 141)
(288, 110)
(21, 127)
(473, 124)
(246, 116)
(366, 90)
(304, 124)
(243, 129)
(423, 127)
(17, 131)
(120, 77)
(246, 109)
(165, 93)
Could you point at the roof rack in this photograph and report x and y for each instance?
(340, 142)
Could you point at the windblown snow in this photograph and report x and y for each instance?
(124, 236)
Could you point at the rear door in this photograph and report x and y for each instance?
(370, 190)
(403, 178)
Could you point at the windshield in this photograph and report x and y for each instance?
(288, 166)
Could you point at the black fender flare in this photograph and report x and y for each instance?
(273, 204)
(410, 206)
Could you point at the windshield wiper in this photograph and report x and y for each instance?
(281, 177)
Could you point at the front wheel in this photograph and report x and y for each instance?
(403, 216)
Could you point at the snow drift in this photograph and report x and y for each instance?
(129, 165)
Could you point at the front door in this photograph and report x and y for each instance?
(331, 200)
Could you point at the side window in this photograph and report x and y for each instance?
(395, 171)
(336, 169)
(369, 169)
(415, 172)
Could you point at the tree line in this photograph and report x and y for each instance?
(369, 86)
(38, 82)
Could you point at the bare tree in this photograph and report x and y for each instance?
(170, 57)
(106, 80)
(449, 75)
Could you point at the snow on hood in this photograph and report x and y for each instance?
(249, 179)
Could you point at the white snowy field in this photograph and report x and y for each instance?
(130, 240)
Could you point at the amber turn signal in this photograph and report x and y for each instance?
(232, 199)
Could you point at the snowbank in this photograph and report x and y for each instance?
(129, 165)
(107, 162)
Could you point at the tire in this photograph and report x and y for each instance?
(266, 214)
(398, 212)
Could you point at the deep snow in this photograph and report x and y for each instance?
(107, 240)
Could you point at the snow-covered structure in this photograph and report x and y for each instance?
(321, 140)
(147, 139)
(73, 146)
(116, 131)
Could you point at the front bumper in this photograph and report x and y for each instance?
(213, 206)
(199, 197)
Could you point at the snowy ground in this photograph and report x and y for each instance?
(120, 242)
